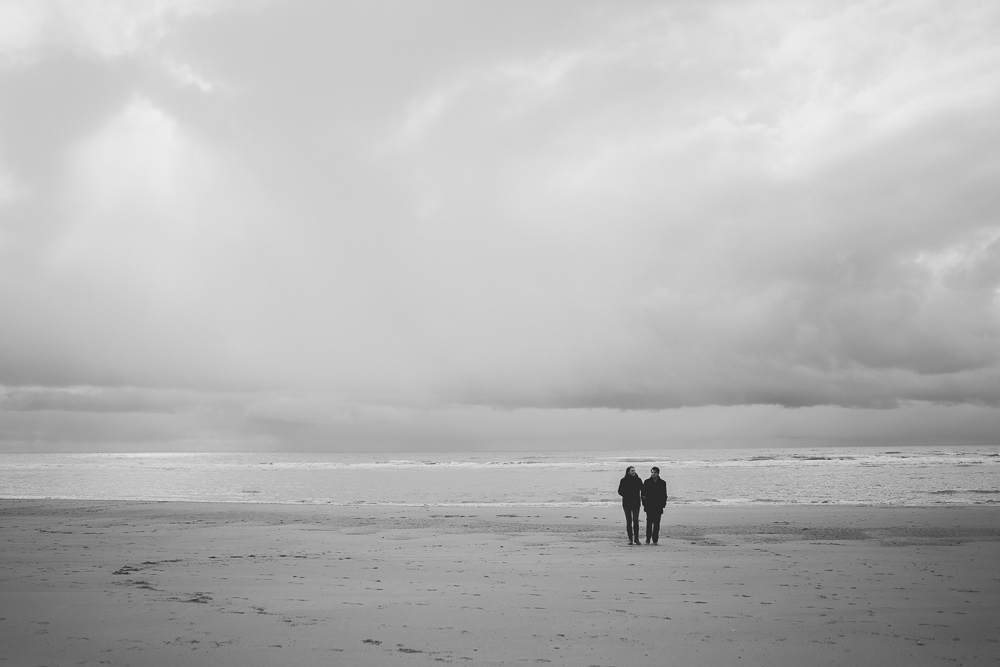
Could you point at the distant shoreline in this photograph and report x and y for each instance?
(720, 505)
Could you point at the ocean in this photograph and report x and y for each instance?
(902, 476)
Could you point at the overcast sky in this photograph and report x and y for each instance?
(447, 225)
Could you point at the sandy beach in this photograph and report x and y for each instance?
(133, 583)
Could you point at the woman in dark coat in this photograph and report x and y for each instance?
(630, 489)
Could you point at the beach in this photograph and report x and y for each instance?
(169, 583)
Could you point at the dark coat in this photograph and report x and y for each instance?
(654, 495)
(630, 489)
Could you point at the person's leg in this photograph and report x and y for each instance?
(656, 527)
(635, 522)
(628, 523)
(649, 526)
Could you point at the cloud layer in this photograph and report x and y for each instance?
(330, 209)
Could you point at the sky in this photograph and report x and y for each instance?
(311, 225)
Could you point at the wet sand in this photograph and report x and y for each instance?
(158, 584)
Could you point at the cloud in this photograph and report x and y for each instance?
(184, 75)
(109, 28)
(317, 410)
(94, 399)
(602, 207)
(710, 235)
(151, 255)
(9, 190)
(301, 409)
(187, 422)
(21, 26)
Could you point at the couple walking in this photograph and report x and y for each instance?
(651, 494)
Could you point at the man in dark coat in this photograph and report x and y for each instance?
(630, 489)
(654, 499)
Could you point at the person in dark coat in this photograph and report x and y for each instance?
(630, 489)
(654, 499)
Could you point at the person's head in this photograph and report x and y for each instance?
(654, 471)
(630, 471)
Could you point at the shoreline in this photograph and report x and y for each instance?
(696, 504)
(214, 583)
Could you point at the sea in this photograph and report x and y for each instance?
(866, 476)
